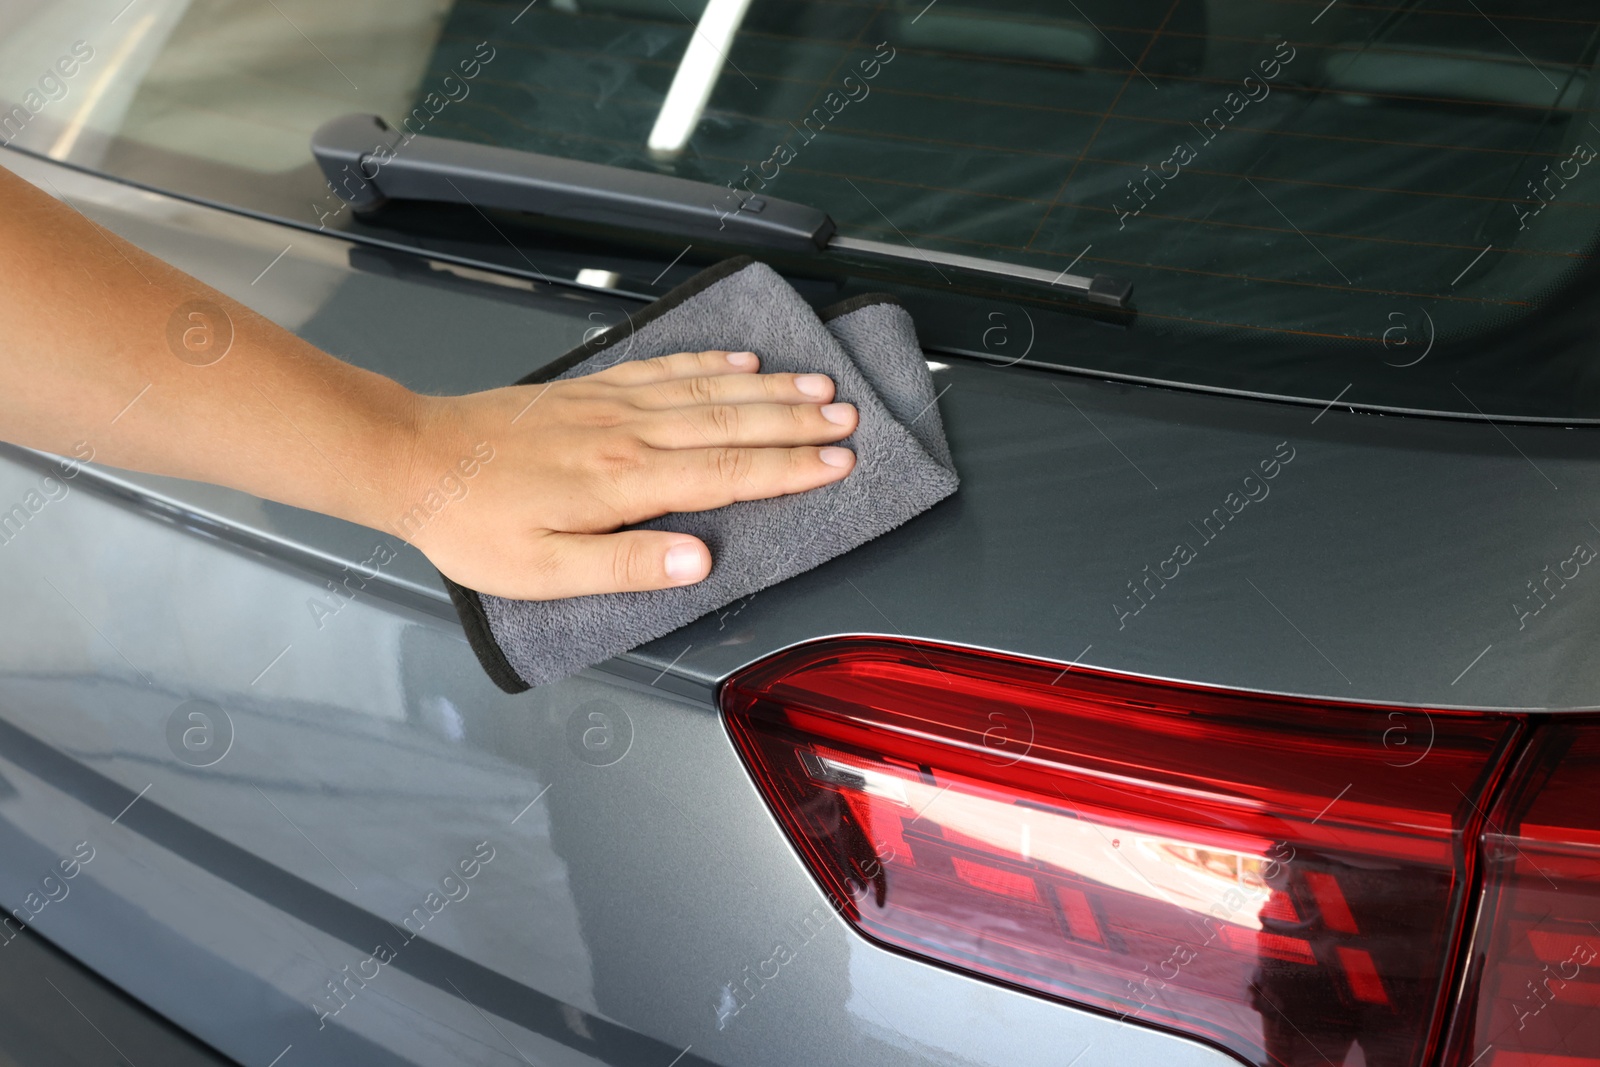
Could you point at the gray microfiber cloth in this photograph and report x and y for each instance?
(869, 348)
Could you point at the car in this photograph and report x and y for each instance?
(1239, 707)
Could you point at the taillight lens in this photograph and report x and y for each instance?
(1283, 878)
(1533, 990)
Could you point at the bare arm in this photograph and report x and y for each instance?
(104, 345)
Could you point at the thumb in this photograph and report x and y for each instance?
(574, 564)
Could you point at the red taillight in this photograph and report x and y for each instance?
(1280, 877)
(1533, 991)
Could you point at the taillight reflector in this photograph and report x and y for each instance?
(1275, 876)
(1532, 998)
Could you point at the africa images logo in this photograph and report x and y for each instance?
(1253, 90)
(53, 85)
(1253, 488)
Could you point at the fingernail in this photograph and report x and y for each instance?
(683, 563)
(839, 413)
(742, 359)
(813, 384)
(834, 456)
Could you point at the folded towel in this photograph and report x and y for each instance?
(869, 348)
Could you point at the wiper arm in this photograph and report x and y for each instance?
(365, 164)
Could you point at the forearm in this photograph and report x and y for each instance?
(105, 348)
(110, 353)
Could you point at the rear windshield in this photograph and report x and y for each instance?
(1399, 197)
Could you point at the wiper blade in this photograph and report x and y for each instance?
(367, 166)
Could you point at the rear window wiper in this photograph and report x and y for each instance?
(366, 165)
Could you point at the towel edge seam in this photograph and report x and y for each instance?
(657, 308)
(480, 636)
(856, 303)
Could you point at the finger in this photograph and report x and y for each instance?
(679, 365)
(572, 564)
(699, 479)
(736, 389)
(748, 425)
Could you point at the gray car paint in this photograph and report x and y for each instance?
(371, 754)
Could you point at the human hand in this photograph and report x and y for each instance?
(516, 492)
(556, 468)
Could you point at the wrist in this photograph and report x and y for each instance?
(441, 456)
(391, 436)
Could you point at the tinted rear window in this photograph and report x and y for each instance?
(1397, 197)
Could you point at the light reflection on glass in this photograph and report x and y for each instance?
(1184, 874)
